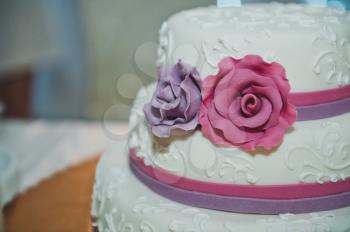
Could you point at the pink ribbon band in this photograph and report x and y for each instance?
(321, 104)
(276, 192)
(319, 97)
(243, 205)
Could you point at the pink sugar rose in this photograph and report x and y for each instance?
(246, 104)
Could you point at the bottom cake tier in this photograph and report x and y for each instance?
(122, 203)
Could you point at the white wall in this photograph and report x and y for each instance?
(47, 36)
(117, 29)
(25, 34)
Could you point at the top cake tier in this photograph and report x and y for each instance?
(311, 43)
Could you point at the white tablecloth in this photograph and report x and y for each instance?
(41, 148)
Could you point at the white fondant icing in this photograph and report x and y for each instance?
(304, 39)
(329, 148)
(134, 207)
(165, 45)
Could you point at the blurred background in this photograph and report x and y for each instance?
(63, 60)
(79, 59)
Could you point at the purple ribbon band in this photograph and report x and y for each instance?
(321, 104)
(243, 205)
(275, 192)
(319, 97)
(324, 110)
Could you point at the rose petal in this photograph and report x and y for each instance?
(208, 130)
(171, 122)
(164, 131)
(177, 77)
(276, 101)
(152, 115)
(245, 78)
(272, 137)
(187, 126)
(223, 95)
(274, 71)
(250, 104)
(255, 121)
(289, 113)
(260, 67)
(208, 86)
(160, 131)
(230, 132)
(161, 104)
(157, 100)
(225, 66)
(166, 94)
(233, 85)
(177, 73)
(178, 111)
(193, 97)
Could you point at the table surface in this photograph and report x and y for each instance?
(59, 203)
(41, 147)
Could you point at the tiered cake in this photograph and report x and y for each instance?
(247, 129)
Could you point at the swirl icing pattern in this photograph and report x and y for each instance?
(329, 150)
(337, 59)
(133, 207)
(295, 160)
(318, 58)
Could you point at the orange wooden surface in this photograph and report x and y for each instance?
(60, 203)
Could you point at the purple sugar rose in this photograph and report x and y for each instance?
(174, 107)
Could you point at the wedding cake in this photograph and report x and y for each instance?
(247, 128)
